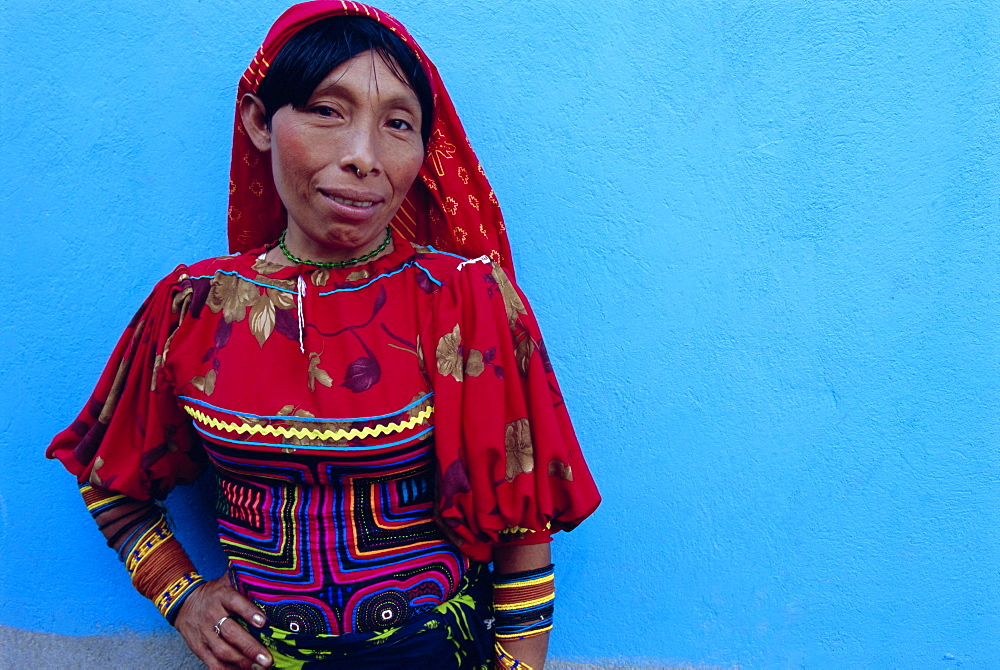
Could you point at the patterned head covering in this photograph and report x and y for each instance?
(450, 205)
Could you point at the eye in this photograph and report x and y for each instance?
(400, 124)
(323, 110)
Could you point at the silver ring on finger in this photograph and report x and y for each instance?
(218, 625)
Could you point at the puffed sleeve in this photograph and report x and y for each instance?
(132, 437)
(510, 467)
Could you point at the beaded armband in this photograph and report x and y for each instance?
(523, 603)
(99, 500)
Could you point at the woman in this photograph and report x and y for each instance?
(368, 385)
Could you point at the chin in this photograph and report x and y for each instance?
(351, 241)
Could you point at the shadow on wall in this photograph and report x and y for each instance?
(130, 651)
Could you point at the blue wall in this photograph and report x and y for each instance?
(761, 238)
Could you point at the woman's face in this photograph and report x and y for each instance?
(344, 162)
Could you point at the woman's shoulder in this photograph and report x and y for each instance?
(180, 279)
(205, 268)
(210, 266)
(453, 270)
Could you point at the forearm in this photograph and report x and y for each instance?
(530, 649)
(161, 571)
(138, 531)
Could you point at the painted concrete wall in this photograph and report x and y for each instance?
(761, 239)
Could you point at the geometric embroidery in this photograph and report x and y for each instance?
(351, 535)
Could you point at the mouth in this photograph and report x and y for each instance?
(358, 199)
(353, 203)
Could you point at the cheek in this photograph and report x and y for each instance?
(407, 165)
(292, 158)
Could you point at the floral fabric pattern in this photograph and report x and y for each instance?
(449, 354)
(231, 296)
(512, 302)
(520, 453)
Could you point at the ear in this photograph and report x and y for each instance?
(255, 121)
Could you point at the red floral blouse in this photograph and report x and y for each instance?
(418, 344)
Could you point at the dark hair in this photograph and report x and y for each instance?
(318, 48)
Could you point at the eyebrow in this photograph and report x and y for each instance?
(397, 101)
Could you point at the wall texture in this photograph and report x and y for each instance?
(761, 238)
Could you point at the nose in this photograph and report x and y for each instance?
(361, 154)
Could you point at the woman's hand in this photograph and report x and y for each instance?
(234, 647)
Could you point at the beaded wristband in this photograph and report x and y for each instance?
(170, 599)
(523, 603)
(161, 570)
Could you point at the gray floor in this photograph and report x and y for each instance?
(40, 651)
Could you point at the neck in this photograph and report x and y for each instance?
(286, 252)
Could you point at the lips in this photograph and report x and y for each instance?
(352, 197)
(353, 203)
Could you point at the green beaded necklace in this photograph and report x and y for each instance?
(336, 264)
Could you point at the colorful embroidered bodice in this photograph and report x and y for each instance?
(330, 544)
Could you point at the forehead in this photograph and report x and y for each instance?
(367, 77)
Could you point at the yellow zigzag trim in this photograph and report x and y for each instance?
(300, 433)
(518, 529)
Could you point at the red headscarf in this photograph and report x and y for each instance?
(450, 205)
